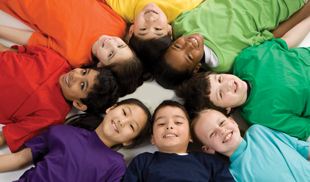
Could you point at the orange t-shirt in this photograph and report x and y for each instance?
(70, 27)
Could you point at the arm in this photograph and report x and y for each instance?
(4, 48)
(15, 35)
(285, 26)
(295, 35)
(14, 161)
(2, 139)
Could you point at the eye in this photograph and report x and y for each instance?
(120, 46)
(160, 124)
(177, 46)
(212, 134)
(111, 54)
(132, 128)
(222, 123)
(143, 29)
(82, 85)
(84, 72)
(220, 79)
(178, 122)
(124, 112)
(221, 95)
(189, 57)
(157, 28)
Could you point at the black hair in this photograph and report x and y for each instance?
(92, 121)
(170, 103)
(127, 73)
(150, 51)
(103, 94)
(195, 93)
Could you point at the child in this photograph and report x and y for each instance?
(262, 155)
(37, 87)
(272, 88)
(151, 18)
(171, 136)
(67, 153)
(84, 32)
(231, 26)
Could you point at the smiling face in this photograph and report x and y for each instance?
(186, 53)
(150, 22)
(77, 83)
(110, 50)
(171, 130)
(227, 91)
(217, 133)
(121, 124)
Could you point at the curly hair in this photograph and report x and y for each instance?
(92, 121)
(195, 93)
(170, 103)
(103, 94)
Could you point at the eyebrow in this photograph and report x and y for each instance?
(131, 114)
(174, 116)
(216, 91)
(86, 82)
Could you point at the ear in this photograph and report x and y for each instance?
(228, 109)
(100, 65)
(206, 149)
(170, 31)
(79, 105)
(232, 120)
(152, 140)
(128, 143)
(191, 140)
(197, 68)
(110, 108)
(130, 32)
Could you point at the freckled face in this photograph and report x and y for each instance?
(186, 52)
(171, 130)
(110, 50)
(150, 22)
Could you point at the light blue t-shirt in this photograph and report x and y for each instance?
(268, 155)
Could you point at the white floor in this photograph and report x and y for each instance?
(150, 93)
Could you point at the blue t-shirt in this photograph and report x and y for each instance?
(161, 167)
(268, 155)
(66, 153)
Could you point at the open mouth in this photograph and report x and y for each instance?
(195, 41)
(227, 137)
(66, 79)
(170, 135)
(106, 40)
(114, 126)
(150, 11)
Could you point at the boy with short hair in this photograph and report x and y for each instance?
(38, 86)
(171, 135)
(262, 155)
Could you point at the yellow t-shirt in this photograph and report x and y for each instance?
(128, 9)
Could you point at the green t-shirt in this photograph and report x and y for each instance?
(280, 93)
(229, 26)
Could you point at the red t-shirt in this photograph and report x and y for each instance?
(31, 96)
(70, 27)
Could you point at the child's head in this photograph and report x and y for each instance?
(150, 22)
(126, 123)
(222, 92)
(90, 90)
(114, 54)
(181, 61)
(216, 132)
(170, 131)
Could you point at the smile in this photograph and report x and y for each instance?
(66, 79)
(227, 137)
(236, 86)
(114, 126)
(106, 40)
(170, 135)
(150, 11)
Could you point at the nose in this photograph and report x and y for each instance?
(169, 125)
(229, 85)
(221, 131)
(75, 76)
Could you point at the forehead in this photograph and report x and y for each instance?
(207, 119)
(176, 59)
(169, 112)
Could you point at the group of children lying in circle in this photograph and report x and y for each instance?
(205, 39)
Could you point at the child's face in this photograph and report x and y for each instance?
(186, 53)
(150, 22)
(110, 50)
(218, 133)
(77, 83)
(121, 124)
(171, 130)
(227, 91)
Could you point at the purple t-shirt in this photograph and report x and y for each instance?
(66, 153)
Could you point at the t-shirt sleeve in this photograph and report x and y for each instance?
(117, 172)
(16, 134)
(135, 170)
(38, 38)
(39, 146)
